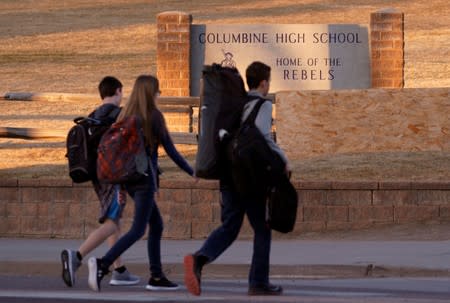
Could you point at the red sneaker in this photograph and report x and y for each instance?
(192, 275)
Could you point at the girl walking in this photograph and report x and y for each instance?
(142, 103)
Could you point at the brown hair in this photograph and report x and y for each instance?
(142, 103)
(108, 86)
(255, 73)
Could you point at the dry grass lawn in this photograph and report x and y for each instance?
(69, 45)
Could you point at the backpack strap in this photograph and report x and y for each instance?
(252, 116)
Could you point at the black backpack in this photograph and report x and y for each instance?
(255, 165)
(82, 142)
(221, 102)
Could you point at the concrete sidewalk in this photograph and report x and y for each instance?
(289, 258)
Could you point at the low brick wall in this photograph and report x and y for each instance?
(53, 208)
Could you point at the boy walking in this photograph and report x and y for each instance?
(112, 201)
(234, 205)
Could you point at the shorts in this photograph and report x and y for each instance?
(110, 206)
(115, 211)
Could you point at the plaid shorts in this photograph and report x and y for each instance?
(112, 201)
(115, 210)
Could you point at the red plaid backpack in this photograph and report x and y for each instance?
(122, 156)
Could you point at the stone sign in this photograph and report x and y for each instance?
(302, 57)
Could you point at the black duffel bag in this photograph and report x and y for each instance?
(282, 203)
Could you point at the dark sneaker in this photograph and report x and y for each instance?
(96, 274)
(192, 275)
(70, 264)
(125, 278)
(265, 290)
(161, 284)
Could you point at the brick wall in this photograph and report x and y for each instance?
(55, 208)
(387, 47)
(173, 53)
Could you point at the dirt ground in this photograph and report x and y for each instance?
(45, 157)
(68, 46)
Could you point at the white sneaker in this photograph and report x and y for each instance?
(96, 274)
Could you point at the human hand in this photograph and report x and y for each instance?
(288, 170)
(196, 179)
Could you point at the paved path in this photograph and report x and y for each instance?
(288, 257)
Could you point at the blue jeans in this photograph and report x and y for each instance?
(233, 209)
(145, 212)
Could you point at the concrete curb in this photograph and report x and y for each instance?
(240, 271)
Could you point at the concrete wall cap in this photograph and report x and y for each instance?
(388, 10)
(173, 13)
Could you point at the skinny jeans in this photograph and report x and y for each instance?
(146, 212)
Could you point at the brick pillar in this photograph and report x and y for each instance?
(387, 46)
(173, 53)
